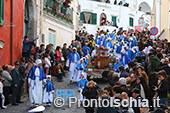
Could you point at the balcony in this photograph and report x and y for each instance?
(59, 10)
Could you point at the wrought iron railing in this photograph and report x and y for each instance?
(57, 9)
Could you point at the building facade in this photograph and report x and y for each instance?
(94, 12)
(58, 22)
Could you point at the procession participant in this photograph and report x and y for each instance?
(73, 59)
(94, 52)
(80, 67)
(129, 52)
(48, 91)
(98, 41)
(86, 60)
(108, 43)
(35, 79)
(15, 83)
(134, 42)
(125, 59)
(86, 50)
(81, 84)
(105, 39)
(117, 64)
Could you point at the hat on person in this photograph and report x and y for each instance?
(17, 63)
(74, 48)
(38, 61)
(136, 90)
(23, 59)
(109, 39)
(48, 76)
(140, 67)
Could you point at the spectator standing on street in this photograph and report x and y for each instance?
(1, 93)
(15, 83)
(26, 46)
(21, 79)
(58, 53)
(7, 83)
(47, 64)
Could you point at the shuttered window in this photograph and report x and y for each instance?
(94, 18)
(91, 20)
(114, 19)
(131, 21)
(2, 12)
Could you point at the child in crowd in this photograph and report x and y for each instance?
(48, 91)
(58, 72)
(81, 84)
(1, 93)
(47, 63)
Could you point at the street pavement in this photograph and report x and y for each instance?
(23, 108)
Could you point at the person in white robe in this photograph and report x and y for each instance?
(81, 84)
(72, 61)
(36, 78)
(48, 91)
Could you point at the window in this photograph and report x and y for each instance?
(88, 18)
(43, 38)
(114, 20)
(131, 21)
(51, 37)
(26, 17)
(2, 12)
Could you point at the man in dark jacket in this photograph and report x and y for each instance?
(122, 71)
(21, 79)
(65, 52)
(15, 83)
(136, 95)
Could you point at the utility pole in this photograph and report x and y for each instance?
(41, 21)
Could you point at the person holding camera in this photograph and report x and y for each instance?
(164, 65)
(162, 88)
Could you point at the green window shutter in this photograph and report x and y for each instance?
(114, 19)
(82, 16)
(94, 18)
(131, 21)
(2, 12)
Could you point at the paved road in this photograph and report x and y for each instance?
(23, 108)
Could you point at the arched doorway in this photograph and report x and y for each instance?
(30, 19)
(144, 7)
(103, 19)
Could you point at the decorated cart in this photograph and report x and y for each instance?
(101, 65)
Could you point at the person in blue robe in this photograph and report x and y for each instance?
(86, 50)
(117, 64)
(126, 39)
(98, 41)
(129, 52)
(72, 61)
(105, 40)
(80, 69)
(81, 84)
(134, 42)
(125, 59)
(108, 44)
(36, 77)
(48, 91)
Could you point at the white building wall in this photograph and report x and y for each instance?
(122, 13)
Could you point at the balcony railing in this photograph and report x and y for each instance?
(58, 10)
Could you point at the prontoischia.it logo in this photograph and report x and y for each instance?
(111, 102)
